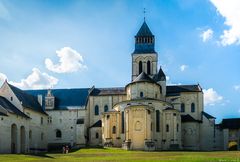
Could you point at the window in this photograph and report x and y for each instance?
(30, 134)
(148, 67)
(141, 94)
(123, 122)
(58, 134)
(161, 89)
(97, 135)
(167, 128)
(49, 119)
(192, 107)
(41, 120)
(140, 67)
(182, 107)
(105, 108)
(157, 121)
(96, 110)
(177, 127)
(11, 98)
(114, 130)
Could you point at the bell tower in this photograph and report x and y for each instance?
(144, 57)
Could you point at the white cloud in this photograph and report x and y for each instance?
(183, 67)
(230, 10)
(70, 61)
(237, 87)
(36, 80)
(211, 97)
(206, 35)
(4, 14)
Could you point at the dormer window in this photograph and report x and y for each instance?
(49, 100)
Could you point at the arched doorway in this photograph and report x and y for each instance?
(23, 139)
(14, 138)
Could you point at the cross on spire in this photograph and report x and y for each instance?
(144, 13)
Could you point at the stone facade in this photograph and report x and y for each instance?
(146, 114)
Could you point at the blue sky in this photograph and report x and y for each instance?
(198, 41)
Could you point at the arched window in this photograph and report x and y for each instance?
(96, 112)
(160, 89)
(177, 127)
(114, 130)
(148, 67)
(167, 128)
(140, 67)
(182, 107)
(192, 107)
(58, 134)
(97, 135)
(105, 108)
(141, 94)
(157, 121)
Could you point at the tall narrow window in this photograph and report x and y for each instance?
(141, 94)
(192, 107)
(182, 107)
(157, 121)
(96, 112)
(123, 122)
(114, 130)
(148, 67)
(97, 135)
(105, 108)
(140, 67)
(177, 127)
(160, 89)
(58, 134)
(167, 128)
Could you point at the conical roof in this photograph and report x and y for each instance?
(144, 30)
(160, 76)
(143, 77)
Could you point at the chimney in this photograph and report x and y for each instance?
(40, 99)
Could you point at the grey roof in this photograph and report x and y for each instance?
(231, 123)
(160, 76)
(108, 91)
(208, 116)
(176, 89)
(28, 101)
(188, 118)
(11, 108)
(144, 30)
(64, 97)
(97, 124)
(3, 114)
(143, 77)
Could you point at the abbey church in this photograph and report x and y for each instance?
(146, 114)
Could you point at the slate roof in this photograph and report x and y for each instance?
(97, 124)
(160, 76)
(143, 77)
(11, 108)
(231, 123)
(188, 118)
(177, 89)
(108, 91)
(28, 101)
(208, 116)
(64, 98)
(144, 30)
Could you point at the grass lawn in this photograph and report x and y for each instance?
(119, 155)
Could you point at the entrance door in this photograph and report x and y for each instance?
(14, 138)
